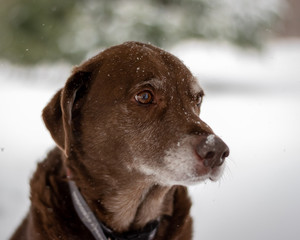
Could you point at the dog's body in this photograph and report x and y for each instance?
(128, 134)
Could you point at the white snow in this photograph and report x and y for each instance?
(252, 102)
(210, 140)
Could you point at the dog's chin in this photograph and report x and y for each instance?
(186, 172)
(217, 173)
(213, 175)
(191, 179)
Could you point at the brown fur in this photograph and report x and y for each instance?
(120, 152)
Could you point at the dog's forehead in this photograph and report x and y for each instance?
(132, 65)
(139, 57)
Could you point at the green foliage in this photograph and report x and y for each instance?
(31, 29)
(52, 30)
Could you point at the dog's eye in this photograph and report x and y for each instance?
(199, 100)
(144, 97)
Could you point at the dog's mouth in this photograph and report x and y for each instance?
(216, 174)
(183, 165)
(189, 172)
(207, 173)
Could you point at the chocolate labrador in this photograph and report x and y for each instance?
(129, 140)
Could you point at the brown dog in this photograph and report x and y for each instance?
(129, 137)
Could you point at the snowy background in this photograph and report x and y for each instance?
(252, 101)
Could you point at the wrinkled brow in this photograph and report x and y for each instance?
(154, 82)
(195, 88)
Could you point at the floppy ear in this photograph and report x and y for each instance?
(57, 115)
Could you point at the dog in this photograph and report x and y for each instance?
(129, 142)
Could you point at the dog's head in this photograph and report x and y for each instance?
(135, 107)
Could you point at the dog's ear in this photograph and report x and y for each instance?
(57, 115)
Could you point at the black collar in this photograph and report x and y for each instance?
(147, 233)
(99, 231)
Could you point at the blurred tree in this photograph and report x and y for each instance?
(50, 30)
(31, 29)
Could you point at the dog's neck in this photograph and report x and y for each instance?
(131, 205)
(135, 206)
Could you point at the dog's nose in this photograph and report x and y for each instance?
(212, 151)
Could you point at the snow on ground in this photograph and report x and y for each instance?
(252, 101)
